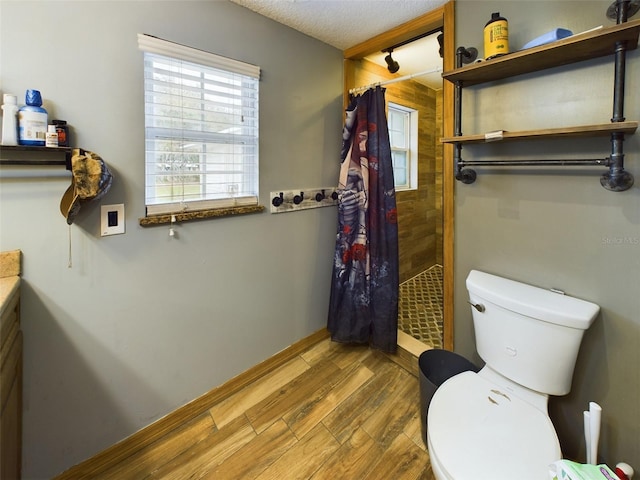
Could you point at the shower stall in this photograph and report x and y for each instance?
(419, 208)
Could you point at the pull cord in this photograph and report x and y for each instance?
(70, 263)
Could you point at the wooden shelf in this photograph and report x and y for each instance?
(579, 47)
(577, 131)
(22, 150)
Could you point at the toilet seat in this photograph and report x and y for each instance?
(477, 432)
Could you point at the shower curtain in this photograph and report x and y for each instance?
(363, 306)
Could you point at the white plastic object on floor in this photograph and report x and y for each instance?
(595, 415)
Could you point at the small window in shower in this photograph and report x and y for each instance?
(403, 135)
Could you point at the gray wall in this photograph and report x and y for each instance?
(143, 323)
(558, 228)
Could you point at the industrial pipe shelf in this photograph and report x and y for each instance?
(545, 133)
(615, 40)
(577, 48)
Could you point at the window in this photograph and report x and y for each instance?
(403, 135)
(201, 129)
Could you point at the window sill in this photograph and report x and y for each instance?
(199, 215)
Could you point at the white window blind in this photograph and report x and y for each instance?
(201, 129)
(403, 136)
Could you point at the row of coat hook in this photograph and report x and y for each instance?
(302, 199)
(297, 199)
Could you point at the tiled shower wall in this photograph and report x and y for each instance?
(419, 211)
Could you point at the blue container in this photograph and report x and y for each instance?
(552, 36)
(32, 121)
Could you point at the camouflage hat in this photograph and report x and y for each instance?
(90, 180)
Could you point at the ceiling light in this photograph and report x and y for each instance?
(392, 65)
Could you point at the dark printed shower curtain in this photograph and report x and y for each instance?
(363, 306)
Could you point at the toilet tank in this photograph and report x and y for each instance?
(528, 334)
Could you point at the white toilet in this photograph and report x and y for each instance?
(494, 424)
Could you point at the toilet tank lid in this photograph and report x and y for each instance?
(531, 301)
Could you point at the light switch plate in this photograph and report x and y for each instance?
(111, 219)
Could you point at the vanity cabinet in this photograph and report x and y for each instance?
(614, 40)
(11, 388)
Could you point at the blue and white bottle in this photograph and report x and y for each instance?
(32, 121)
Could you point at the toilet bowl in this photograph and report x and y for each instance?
(494, 424)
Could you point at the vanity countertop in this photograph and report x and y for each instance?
(8, 286)
(9, 276)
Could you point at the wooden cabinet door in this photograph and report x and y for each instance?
(11, 416)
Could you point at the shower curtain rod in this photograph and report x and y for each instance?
(395, 80)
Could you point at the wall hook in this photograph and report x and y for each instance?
(294, 200)
(277, 201)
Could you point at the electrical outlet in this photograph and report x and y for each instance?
(111, 219)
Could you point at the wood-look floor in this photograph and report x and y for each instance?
(333, 412)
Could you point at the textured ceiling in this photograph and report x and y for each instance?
(341, 23)
(346, 23)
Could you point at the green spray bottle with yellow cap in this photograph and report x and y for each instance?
(496, 37)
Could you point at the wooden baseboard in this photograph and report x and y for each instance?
(130, 445)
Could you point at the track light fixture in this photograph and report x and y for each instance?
(441, 45)
(392, 65)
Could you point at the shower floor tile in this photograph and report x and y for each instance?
(420, 307)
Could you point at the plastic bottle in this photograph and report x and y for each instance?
(32, 120)
(52, 136)
(9, 119)
(63, 132)
(496, 37)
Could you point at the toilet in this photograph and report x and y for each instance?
(494, 424)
